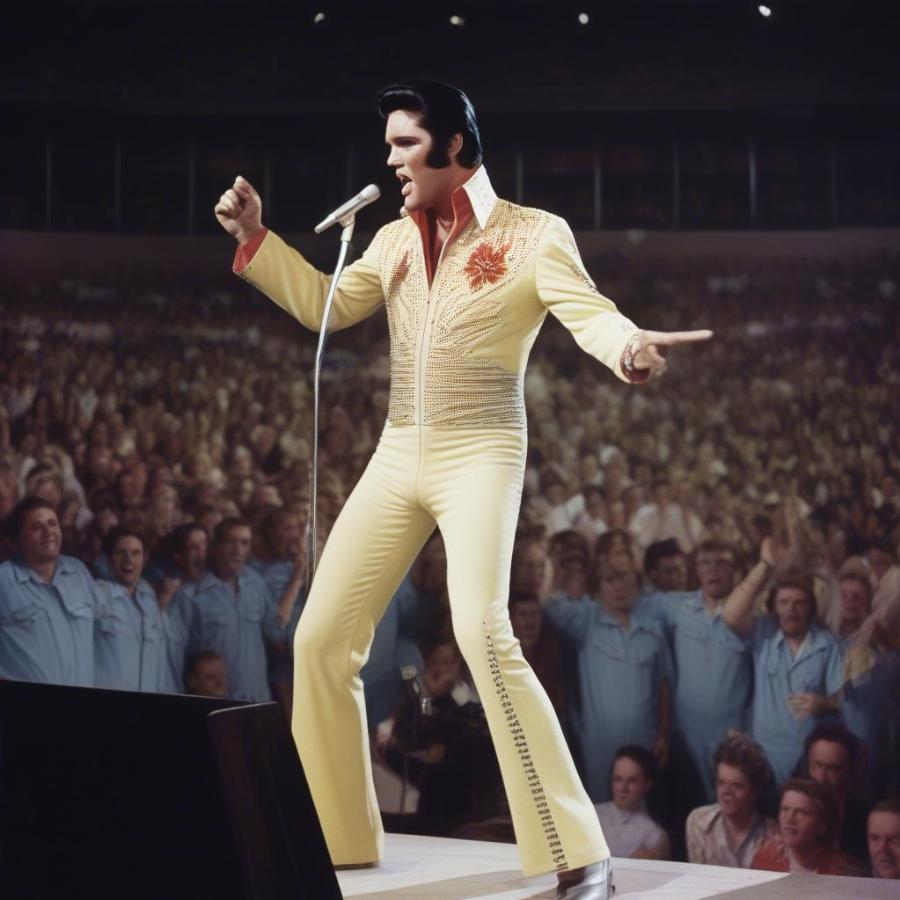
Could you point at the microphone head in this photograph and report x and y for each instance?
(369, 194)
(408, 673)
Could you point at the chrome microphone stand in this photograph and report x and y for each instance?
(348, 224)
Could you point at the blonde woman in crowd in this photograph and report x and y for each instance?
(870, 699)
(852, 601)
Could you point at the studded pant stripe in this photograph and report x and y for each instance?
(542, 807)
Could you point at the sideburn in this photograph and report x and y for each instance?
(438, 156)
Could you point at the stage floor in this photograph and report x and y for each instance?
(424, 868)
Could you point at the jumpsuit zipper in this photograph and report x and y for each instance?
(423, 355)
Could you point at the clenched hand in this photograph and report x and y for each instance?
(239, 210)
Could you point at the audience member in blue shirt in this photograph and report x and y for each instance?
(797, 662)
(665, 568)
(714, 668)
(189, 554)
(232, 613)
(392, 650)
(283, 569)
(542, 648)
(625, 673)
(531, 570)
(48, 603)
(129, 639)
(427, 578)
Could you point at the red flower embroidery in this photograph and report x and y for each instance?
(399, 275)
(486, 264)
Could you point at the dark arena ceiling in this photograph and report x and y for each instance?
(219, 56)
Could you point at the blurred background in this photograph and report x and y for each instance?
(678, 114)
(724, 164)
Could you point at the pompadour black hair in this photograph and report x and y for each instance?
(443, 111)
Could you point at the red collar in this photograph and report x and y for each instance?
(426, 223)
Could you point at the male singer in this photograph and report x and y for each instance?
(467, 279)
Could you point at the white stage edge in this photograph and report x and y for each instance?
(428, 868)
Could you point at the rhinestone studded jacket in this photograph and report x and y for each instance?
(459, 345)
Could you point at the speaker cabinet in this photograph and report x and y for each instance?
(112, 794)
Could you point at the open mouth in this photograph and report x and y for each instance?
(405, 184)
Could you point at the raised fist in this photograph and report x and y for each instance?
(239, 210)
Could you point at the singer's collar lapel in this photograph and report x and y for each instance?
(481, 195)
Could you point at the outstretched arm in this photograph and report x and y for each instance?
(284, 276)
(566, 289)
(648, 349)
(571, 617)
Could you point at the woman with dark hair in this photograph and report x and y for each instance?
(807, 830)
(730, 831)
(467, 279)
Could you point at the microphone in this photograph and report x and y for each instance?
(369, 194)
(415, 691)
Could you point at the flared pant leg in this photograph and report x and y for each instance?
(377, 535)
(472, 483)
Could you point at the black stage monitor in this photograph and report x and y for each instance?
(112, 794)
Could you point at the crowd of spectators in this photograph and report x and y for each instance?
(705, 579)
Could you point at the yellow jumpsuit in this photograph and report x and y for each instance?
(452, 454)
